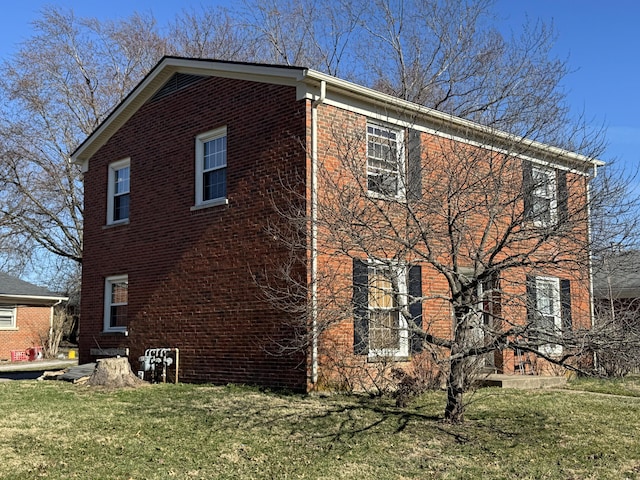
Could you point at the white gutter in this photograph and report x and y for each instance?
(9, 297)
(314, 230)
(446, 121)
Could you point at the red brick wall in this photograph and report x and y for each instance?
(342, 137)
(31, 323)
(191, 273)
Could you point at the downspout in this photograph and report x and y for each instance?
(51, 313)
(590, 258)
(314, 230)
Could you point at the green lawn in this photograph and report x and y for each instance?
(60, 431)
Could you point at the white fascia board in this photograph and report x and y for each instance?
(387, 108)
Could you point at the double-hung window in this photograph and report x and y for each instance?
(211, 168)
(548, 319)
(116, 300)
(118, 192)
(544, 202)
(7, 318)
(385, 161)
(387, 295)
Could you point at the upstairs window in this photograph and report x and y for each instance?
(116, 301)
(118, 192)
(211, 168)
(7, 318)
(546, 196)
(385, 161)
(543, 196)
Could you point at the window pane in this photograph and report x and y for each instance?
(120, 292)
(121, 180)
(383, 183)
(215, 184)
(121, 207)
(118, 316)
(215, 153)
(6, 318)
(384, 331)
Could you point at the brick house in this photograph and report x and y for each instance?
(26, 313)
(186, 183)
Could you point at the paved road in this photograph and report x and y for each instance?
(24, 375)
(32, 370)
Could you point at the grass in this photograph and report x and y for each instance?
(56, 430)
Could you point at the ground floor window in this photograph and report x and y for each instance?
(7, 318)
(116, 300)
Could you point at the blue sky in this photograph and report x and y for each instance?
(600, 39)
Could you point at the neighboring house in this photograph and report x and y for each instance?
(183, 181)
(616, 284)
(26, 313)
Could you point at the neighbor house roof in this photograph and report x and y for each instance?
(311, 84)
(13, 289)
(617, 276)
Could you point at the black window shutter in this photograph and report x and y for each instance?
(562, 196)
(414, 166)
(360, 307)
(532, 300)
(415, 308)
(527, 188)
(565, 304)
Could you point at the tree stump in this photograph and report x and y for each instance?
(114, 373)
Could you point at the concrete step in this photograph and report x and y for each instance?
(522, 382)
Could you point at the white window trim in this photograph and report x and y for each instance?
(111, 189)
(551, 348)
(108, 281)
(553, 204)
(199, 181)
(400, 273)
(13, 325)
(402, 171)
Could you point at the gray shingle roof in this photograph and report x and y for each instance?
(618, 274)
(10, 285)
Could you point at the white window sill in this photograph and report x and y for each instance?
(210, 203)
(9, 329)
(116, 332)
(374, 358)
(116, 224)
(392, 198)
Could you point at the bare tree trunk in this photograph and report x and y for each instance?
(114, 373)
(454, 411)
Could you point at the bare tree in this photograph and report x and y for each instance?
(211, 32)
(504, 244)
(55, 91)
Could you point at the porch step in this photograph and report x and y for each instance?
(522, 382)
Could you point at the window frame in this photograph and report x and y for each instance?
(556, 302)
(200, 171)
(399, 274)
(112, 194)
(547, 192)
(12, 316)
(400, 174)
(108, 283)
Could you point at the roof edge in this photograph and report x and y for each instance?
(446, 119)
